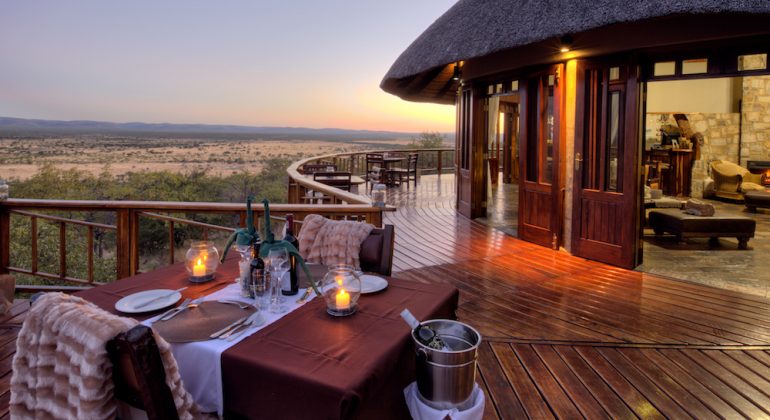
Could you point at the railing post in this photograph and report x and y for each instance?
(134, 239)
(439, 162)
(377, 219)
(123, 234)
(5, 240)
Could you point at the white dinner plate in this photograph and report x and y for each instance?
(128, 303)
(372, 284)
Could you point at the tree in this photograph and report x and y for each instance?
(428, 140)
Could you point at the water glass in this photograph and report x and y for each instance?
(261, 290)
(278, 265)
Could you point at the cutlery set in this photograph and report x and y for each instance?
(234, 330)
(186, 304)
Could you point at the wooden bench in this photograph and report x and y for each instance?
(685, 225)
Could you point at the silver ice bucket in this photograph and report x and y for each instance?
(445, 378)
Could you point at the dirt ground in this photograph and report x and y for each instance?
(21, 157)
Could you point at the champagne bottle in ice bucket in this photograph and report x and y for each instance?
(424, 333)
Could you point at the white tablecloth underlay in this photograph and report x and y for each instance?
(200, 362)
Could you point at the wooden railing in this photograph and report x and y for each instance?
(126, 216)
(429, 161)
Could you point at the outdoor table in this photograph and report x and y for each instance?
(309, 364)
(355, 181)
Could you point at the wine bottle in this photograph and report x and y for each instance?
(257, 270)
(291, 287)
(424, 333)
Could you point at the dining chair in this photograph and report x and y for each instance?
(340, 180)
(376, 253)
(138, 373)
(374, 165)
(410, 172)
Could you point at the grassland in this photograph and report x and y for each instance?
(21, 156)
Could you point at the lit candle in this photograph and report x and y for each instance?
(343, 300)
(199, 269)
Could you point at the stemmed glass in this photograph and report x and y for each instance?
(278, 260)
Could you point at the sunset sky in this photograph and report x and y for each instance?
(280, 63)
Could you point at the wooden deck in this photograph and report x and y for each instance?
(567, 337)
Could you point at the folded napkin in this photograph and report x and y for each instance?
(332, 242)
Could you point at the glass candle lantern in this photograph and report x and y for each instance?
(341, 288)
(202, 261)
(379, 195)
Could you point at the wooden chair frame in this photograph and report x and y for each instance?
(380, 242)
(138, 373)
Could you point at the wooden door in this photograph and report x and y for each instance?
(605, 193)
(469, 152)
(539, 182)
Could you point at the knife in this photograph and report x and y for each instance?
(157, 298)
(227, 328)
(240, 329)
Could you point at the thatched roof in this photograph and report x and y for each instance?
(477, 28)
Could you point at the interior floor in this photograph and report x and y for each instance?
(502, 207)
(724, 266)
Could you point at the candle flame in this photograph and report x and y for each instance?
(199, 262)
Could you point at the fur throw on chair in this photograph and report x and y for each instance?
(61, 368)
(331, 242)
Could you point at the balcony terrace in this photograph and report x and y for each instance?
(563, 336)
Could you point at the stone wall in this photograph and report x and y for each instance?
(756, 119)
(720, 140)
(722, 133)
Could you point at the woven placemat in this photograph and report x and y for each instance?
(197, 324)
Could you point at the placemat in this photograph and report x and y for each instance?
(197, 324)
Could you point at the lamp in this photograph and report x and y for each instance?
(456, 74)
(565, 43)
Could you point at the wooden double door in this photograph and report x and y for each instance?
(604, 216)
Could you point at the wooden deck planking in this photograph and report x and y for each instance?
(568, 337)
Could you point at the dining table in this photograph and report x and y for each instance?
(388, 162)
(309, 364)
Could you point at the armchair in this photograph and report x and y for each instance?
(731, 181)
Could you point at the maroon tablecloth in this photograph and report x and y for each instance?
(309, 364)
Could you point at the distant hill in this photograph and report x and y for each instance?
(22, 126)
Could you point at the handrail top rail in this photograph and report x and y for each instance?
(179, 206)
(294, 174)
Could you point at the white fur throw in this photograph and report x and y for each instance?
(61, 368)
(332, 242)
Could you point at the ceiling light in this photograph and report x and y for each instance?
(565, 43)
(456, 74)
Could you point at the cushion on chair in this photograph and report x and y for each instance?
(750, 186)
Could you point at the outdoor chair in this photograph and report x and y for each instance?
(408, 173)
(340, 180)
(138, 374)
(374, 165)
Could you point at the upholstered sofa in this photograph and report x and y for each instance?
(731, 181)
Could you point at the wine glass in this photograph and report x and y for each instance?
(278, 260)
